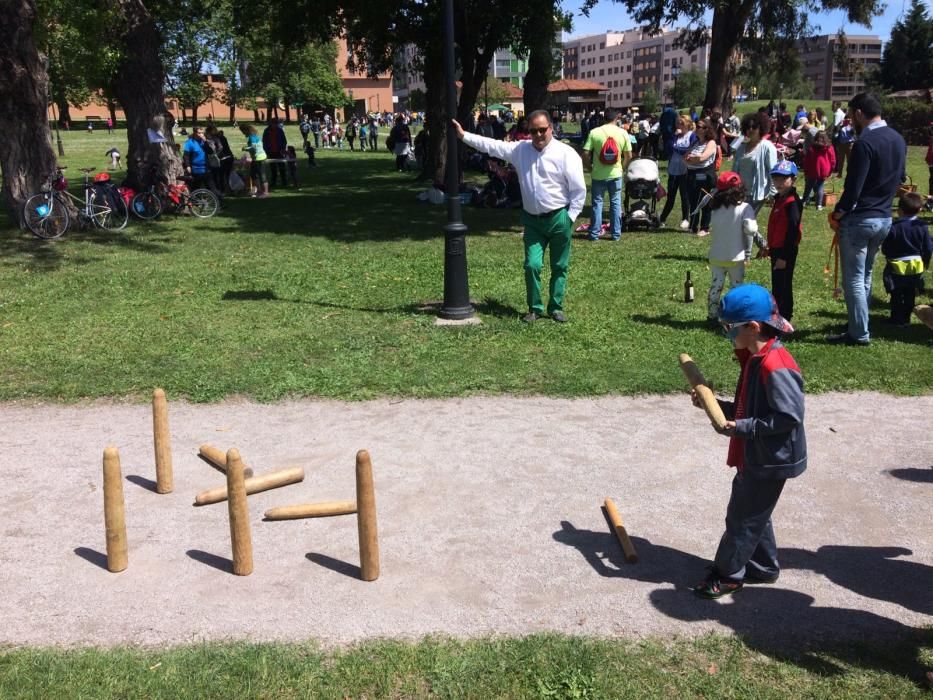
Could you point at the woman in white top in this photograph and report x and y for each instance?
(755, 157)
(701, 174)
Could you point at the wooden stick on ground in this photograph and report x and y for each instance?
(366, 517)
(114, 511)
(631, 556)
(255, 484)
(218, 459)
(163, 442)
(311, 510)
(240, 537)
(704, 393)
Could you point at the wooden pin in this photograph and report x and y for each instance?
(255, 484)
(218, 459)
(238, 509)
(628, 548)
(366, 517)
(163, 443)
(311, 510)
(114, 512)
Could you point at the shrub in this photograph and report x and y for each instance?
(910, 118)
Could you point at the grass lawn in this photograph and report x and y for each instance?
(319, 293)
(542, 666)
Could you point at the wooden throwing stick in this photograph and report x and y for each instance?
(703, 391)
(631, 556)
(366, 517)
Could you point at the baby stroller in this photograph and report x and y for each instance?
(641, 185)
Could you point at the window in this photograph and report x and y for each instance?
(667, 77)
(602, 59)
(602, 45)
(693, 58)
(628, 81)
(628, 54)
(667, 61)
(601, 72)
(628, 68)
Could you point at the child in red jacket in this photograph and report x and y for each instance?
(819, 162)
(785, 229)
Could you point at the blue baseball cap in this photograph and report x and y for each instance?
(785, 168)
(752, 302)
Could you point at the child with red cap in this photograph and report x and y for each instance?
(733, 228)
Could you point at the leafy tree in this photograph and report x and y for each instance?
(746, 26)
(775, 75)
(417, 101)
(190, 45)
(492, 92)
(687, 90)
(907, 60)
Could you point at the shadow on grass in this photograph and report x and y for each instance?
(18, 248)
(786, 625)
(698, 258)
(212, 560)
(490, 306)
(676, 323)
(93, 556)
(335, 565)
(923, 476)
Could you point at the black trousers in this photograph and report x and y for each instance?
(782, 281)
(700, 181)
(675, 184)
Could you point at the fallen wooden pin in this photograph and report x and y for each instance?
(114, 511)
(255, 484)
(925, 313)
(631, 556)
(364, 507)
(311, 510)
(162, 442)
(218, 459)
(704, 393)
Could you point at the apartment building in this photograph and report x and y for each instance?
(629, 62)
(837, 72)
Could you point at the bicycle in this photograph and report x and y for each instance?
(159, 196)
(46, 213)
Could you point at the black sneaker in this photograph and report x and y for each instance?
(715, 587)
(559, 316)
(530, 317)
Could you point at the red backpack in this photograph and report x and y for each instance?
(609, 153)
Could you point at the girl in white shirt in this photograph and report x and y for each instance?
(734, 228)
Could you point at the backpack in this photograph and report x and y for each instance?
(304, 128)
(609, 153)
(107, 193)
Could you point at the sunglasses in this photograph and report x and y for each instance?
(539, 132)
(727, 327)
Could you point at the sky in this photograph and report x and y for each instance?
(609, 15)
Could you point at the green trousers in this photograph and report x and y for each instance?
(540, 232)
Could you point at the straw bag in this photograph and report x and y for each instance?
(906, 187)
(829, 196)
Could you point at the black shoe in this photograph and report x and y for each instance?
(846, 339)
(530, 317)
(752, 576)
(559, 316)
(716, 587)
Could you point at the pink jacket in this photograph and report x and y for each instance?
(819, 162)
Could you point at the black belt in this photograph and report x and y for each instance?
(547, 213)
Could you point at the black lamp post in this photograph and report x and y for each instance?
(456, 305)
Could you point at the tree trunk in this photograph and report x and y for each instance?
(233, 113)
(436, 98)
(540, 60)
(112, 108)
(256, 118)
(26, 155)
(194, 115)
(729, 20)
(288, 112)
(138, 85)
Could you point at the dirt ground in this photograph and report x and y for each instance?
(489, 523)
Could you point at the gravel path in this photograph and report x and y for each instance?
(489, 523)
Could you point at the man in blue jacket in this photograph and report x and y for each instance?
(876, 168)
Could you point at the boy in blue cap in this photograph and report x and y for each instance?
(767, 444)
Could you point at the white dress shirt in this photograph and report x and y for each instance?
(550, 179)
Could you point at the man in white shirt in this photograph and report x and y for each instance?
(550, 174)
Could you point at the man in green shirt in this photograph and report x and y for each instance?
(607, 161)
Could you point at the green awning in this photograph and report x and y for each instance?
(497, 108)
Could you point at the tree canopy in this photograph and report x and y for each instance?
(907, 60)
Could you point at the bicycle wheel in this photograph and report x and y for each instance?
(45, 215)
(105, 216)
(147, 205)
(203, 203)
